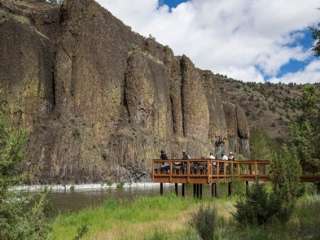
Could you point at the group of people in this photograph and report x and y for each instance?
(186, 156)
(180, 165)
(224, 156)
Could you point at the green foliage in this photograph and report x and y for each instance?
(260, 207)
(12, 141)
(204, 222)
(316, 36)
(285, 172)
(261, 145)
(21, 216)
(81, 232)
(305, 130)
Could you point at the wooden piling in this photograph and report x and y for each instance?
(200, 190)
(247, 187)
(183, 189)
(176, 189)
(161, 189)
(229, 189)
(214, 190)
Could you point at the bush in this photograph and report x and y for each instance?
(204, 222)
(259, 207)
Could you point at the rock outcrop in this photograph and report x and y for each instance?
(100, 101)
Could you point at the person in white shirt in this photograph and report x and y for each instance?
(231, 156)
(225, 157)
(211, 156)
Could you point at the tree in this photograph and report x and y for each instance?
(260, 145)
(21, 216)
(305, 130)
(285, 173)
(316, 35)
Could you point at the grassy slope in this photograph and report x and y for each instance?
(168, 217)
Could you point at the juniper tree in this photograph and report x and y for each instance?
(21, 215)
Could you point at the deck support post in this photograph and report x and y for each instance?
(161, 189)
(247, 187)
(214, 190)
(194, 190)
(183, 189)
(229, 189)
(318, 187)
(200, 190)
(176, 189)
(197, 190)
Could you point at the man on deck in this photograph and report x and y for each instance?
(165, 165)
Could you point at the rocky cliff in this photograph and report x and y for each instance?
(100, 101)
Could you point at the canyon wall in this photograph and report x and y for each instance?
(100, 101)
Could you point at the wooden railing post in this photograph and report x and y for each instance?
(170, 162)
(209, 170)
(152, 170)
(188, 171)
(238, 169)
(256, 169)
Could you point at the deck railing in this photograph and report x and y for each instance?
(207, 170)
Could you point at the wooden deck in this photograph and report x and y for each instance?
(206, 171)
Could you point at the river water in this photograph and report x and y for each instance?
(63, 202)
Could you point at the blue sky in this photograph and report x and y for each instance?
(261, 40)
(171, 3)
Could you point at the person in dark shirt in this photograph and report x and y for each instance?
(185, 155)
(163, 155)
(165, 165)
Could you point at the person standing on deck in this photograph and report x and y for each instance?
(219, 143)
(214, 164)
(165, 166)
(231, 156)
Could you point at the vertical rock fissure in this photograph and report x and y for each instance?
(125, 100)
(53, 86)
(182, 68)
(173, 114)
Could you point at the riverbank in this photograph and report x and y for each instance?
(168, 217)
(87, 187)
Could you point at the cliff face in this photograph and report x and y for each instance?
(100, 101)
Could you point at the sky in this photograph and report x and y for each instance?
(249, 40)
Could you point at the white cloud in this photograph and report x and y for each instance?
(311, 74)
(231, 37)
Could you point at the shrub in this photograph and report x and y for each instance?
(259, 207)
(204, 221)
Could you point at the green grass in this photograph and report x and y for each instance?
(118, 215)
(168, 218)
